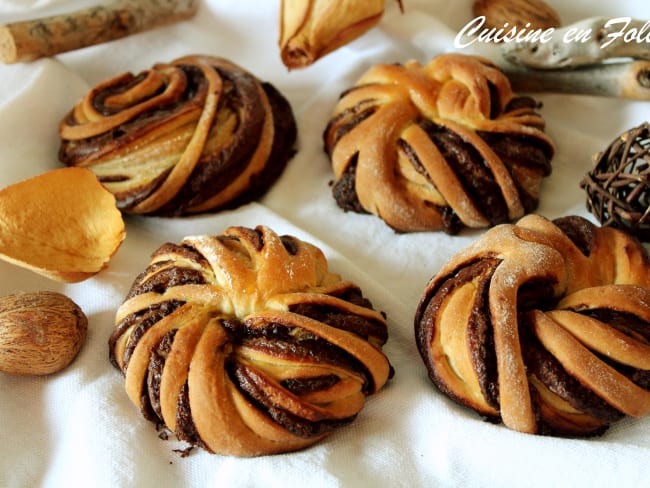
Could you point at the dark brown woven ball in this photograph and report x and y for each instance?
(618, 186)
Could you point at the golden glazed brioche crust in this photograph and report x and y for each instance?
(437, 147)
(246, 344)
(543, 325)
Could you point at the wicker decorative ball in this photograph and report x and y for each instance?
(618, 186)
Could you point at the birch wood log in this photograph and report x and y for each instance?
(32, 39)
(586, 42)
(630, 80)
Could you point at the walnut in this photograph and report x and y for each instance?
(40, 332)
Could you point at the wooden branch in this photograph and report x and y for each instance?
(629, 80)
(33, 39)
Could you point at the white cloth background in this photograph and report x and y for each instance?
(77, 427)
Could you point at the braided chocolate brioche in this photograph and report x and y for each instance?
(437, 147)
(245, 344)
(194, 135)
(542, 325)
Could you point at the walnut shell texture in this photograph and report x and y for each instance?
(442, 146)
(529, 14)
(544, 325)
(245, 344)
(194, 135)
(40, 332)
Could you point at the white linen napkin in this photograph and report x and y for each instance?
(78, 428)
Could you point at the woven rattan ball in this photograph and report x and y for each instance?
(618, 186)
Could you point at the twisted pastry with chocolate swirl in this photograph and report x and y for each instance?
(437, 147)
(246, 344)
(542, 325)
(194, 135)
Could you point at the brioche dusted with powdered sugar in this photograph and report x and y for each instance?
(543, 325)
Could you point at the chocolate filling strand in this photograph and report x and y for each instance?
(469, 166)
(252, 385)
(451, 222)
(479, 329)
